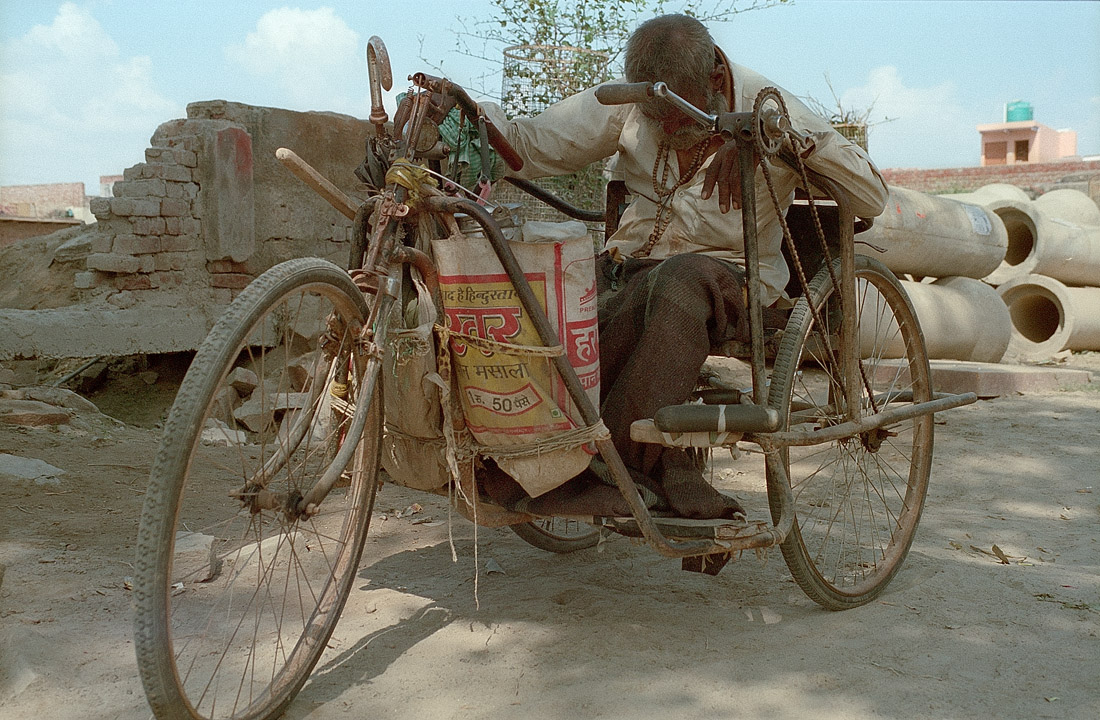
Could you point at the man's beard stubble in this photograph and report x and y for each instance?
(692, 134)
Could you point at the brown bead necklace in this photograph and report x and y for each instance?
(664, 194)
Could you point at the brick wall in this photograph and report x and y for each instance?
(151, 224)
(1035, 179)
(211, 207)
(48, 200)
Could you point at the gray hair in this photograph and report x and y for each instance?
(674, 49)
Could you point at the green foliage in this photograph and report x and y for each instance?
(598, 25)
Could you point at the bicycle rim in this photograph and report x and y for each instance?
(236, 593)
(857, 500)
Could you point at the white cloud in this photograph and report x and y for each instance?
(71, 100)
(928, 126)
(311, 55)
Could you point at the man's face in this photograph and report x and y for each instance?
(681, 131)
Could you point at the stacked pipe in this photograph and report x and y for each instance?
(1050, 276)
(947, 246)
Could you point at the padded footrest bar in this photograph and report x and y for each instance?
(716, 418)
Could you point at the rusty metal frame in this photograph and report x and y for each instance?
(385, 256)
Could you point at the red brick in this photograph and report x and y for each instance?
(32, 412)
(179, 243)
(134, 282)
(226, 266)
(148, 225)
(136, 244)
(169, 279)
(233, 281)
(169, 261)
(113, 263)
(171, 207)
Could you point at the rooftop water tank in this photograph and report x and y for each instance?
(1018, 110)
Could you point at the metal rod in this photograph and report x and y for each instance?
(556, 202)
(752, 269)
(862, 425)
(703, 118)
(363, 400)
(360, 232)
(74, 373)
(849, 322)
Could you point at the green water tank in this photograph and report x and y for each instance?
(1018, 110)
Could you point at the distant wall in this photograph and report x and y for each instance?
(209, 209)
(49, 200)
(17, 228)
(1034, 178)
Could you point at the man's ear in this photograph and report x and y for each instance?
(718, 78)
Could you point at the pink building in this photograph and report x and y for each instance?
(1025, 141)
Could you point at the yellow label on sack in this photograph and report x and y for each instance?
(501, 392)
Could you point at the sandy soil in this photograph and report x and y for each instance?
(613, 633)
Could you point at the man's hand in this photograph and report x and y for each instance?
(725, 170)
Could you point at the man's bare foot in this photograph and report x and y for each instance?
(690, 495)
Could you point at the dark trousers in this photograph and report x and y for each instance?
(658, 322)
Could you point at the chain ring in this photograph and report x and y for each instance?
(765, 146)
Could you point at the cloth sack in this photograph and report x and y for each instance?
(515, 405)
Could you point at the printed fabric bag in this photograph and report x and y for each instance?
(515, 405)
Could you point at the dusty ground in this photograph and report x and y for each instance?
(619, 633)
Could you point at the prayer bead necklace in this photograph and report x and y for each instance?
(664, 195)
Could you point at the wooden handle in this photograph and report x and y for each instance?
(320, 184)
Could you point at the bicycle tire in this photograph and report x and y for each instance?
(235, 601)
(558, 535)
(857, 505)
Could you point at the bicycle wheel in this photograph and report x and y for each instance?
(236, 594)
(558, 535)
(857, 500)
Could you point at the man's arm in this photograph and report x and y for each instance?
(566, 137)
(831, 155)
(838, 158)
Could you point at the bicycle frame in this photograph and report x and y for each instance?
(380, 272)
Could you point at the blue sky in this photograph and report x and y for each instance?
(84, 84)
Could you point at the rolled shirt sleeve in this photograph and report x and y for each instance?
(566, 137)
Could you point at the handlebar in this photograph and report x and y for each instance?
(624, 93)
(496, 137)
(774, 125)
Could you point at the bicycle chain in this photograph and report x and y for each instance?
(766, 151)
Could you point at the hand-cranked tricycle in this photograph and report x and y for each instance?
(262, 489)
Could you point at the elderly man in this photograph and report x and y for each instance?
(672, 281)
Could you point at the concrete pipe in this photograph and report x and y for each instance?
(987, 194)
(1048, 317)
(962, 319)
(931, 236)
(1057, 235)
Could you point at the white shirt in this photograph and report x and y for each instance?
(578, 131)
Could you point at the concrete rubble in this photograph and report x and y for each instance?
(37, 472)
